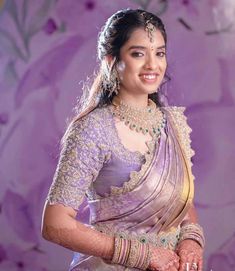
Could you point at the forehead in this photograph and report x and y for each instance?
(140, 37)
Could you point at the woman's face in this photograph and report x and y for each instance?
(142, 63)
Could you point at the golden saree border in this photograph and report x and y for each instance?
(187, 193)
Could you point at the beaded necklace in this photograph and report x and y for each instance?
(146, 120)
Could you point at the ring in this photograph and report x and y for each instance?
(194, 266)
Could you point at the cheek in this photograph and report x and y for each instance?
(125, 70)
(121, 68)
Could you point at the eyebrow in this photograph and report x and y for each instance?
(142, 47)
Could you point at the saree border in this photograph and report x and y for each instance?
(187, 193)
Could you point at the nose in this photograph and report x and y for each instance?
(151, 62)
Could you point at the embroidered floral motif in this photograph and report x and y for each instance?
(81, 159)
(135, 176)
(90, 143)
(184, 130)
(116, 145)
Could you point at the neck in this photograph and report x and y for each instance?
(140, 101)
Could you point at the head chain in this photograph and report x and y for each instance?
(149, 27)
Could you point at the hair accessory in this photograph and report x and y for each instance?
(150, 29)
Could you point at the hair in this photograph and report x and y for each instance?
(114, 34)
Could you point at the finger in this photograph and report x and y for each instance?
(190, 260)
(182, 261)
(194, 265)
(200, 265)
(184, 265)
(177, 265)
(170, 268)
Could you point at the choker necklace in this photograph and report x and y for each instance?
(146, 120)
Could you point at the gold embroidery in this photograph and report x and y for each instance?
(81, 159)
(135, 175)
(116, 145)
(183, 128)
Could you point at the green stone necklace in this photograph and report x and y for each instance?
(146, 120)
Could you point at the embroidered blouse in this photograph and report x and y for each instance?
(94, 162)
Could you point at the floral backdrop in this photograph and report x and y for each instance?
(47, 50)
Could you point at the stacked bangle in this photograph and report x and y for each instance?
(192, 231)
(131, 253)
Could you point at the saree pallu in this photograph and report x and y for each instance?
(151, 205)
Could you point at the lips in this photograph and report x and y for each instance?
(149, 77)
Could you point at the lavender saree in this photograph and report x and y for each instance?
(129, 194)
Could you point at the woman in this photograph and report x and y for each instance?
(131, 157)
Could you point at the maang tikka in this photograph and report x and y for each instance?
(149, 27)
(110, 80)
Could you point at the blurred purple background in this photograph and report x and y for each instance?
(47, 49)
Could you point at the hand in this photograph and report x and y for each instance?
(163, 259)
(190, 253)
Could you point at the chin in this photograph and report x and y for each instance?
(151, 91)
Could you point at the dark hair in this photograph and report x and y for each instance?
(116, 32)
(119, 27)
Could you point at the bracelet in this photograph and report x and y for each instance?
(192, 231)
(131, 253)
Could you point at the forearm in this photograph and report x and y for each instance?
(191, 216)
(190, 228)
(63, 229)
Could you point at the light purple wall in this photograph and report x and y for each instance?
(47, 48)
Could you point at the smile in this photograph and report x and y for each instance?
(149, 77)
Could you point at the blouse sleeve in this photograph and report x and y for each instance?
(81, 158)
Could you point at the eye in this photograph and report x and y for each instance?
(137, 54)
(161, 54)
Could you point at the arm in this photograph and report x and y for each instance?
(81, 159)
(189, 250)
(191, 216)
(59, 225)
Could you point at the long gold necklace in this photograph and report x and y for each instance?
(146, 120)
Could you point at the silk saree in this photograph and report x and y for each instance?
(151, 200)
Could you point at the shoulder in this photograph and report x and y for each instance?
(91, 122)
(178, 114)
(96, 117)
(89, 127)
(184, 130)
(175, 110)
